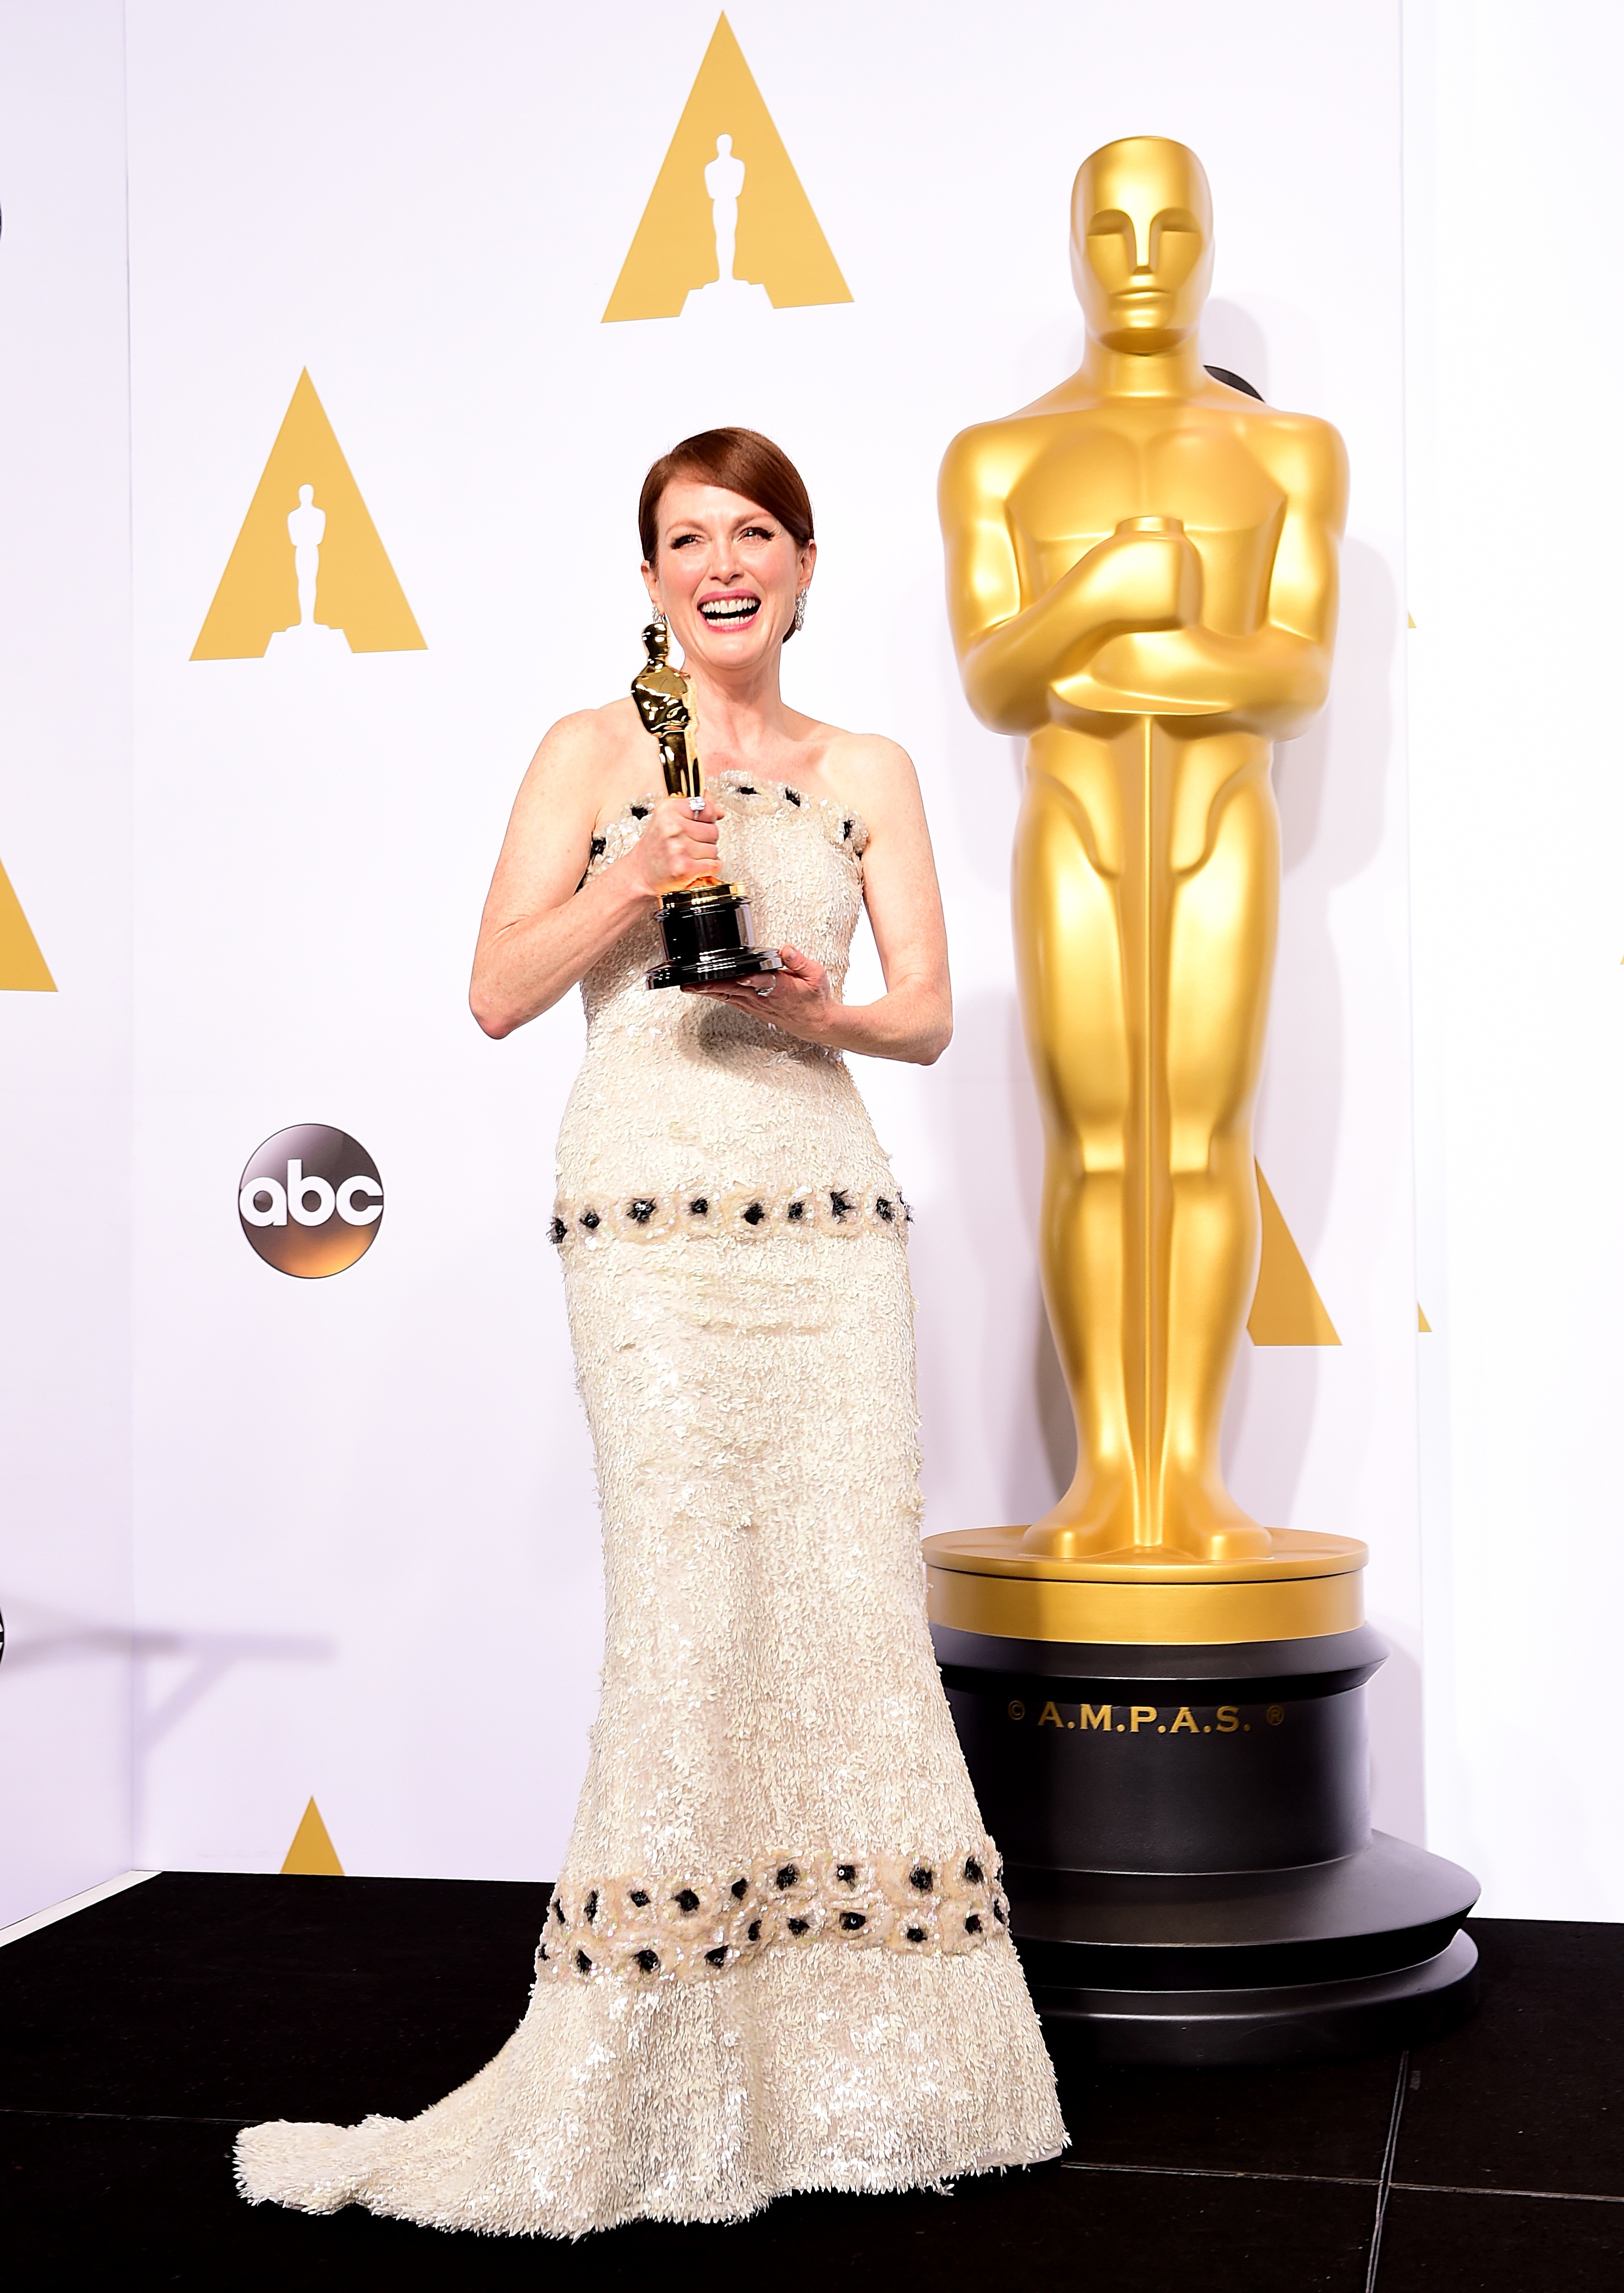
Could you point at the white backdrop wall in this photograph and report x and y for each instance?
(1516, 339)
(365, 1564)
(65, 1055)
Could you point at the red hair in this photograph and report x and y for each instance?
(744, 462)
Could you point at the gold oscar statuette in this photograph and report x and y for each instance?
(1141, 574)
(705, 925)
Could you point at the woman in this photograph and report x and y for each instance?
(777, 1957)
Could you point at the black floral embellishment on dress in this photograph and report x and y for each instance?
(824, 1897)
(801, 1211)
(746, 788)
(639, 810)
(600, 845)
(793, 796)
(846, 831)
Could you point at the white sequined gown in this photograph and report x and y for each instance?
(777, 1957)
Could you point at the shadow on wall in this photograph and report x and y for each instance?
(1233, 339)
(984, 1346)
(1330, 786)
(41, 1638)
(1398, 1789)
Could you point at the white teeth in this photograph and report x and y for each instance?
(730, 608)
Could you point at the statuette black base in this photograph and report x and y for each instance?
(1191, 1874)
(707, 932)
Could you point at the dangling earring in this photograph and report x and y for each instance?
(800, 621)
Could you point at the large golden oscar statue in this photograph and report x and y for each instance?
(1160, 1698)
(1143, 582)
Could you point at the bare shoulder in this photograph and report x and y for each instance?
(588, 749)
(874, 773)
(1306, 456)
(590, 736)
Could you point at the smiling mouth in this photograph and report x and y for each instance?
(729, 613)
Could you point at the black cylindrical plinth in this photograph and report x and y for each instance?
(1191, 1873)
(706, 932)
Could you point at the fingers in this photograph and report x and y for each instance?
(744, 994)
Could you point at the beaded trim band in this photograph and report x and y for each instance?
(747, 1212)
(688, 1930)
(846, 830)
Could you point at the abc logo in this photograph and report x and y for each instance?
(311, 1199)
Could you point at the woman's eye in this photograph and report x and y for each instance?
(755, 533)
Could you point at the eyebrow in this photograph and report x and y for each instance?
(692, 524)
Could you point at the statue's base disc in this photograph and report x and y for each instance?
(1284, 2022)
(985, 1580)
(713, 971)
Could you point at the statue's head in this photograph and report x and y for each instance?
(1141, 242)
(307, 495)
(657, 643)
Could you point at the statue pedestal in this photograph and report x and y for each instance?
(309, 639)
(1173, 1759)
(723, 296)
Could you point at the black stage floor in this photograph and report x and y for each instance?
(137, 2036)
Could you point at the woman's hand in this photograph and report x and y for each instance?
(677, 845)
(799, 999)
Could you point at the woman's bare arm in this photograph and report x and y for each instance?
(538, 936)
(913, 1020)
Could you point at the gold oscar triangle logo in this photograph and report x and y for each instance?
(308, 571)
(727, 221)
(312, 1854)
(1286, 1310)
(21, 964)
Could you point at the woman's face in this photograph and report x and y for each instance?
(725, 575)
